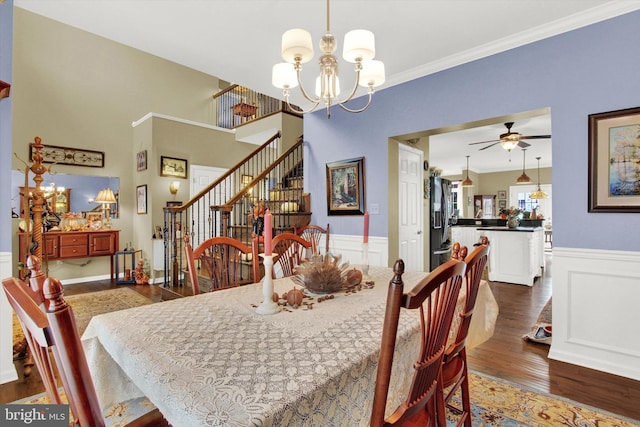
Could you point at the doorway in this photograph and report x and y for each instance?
(410, 208)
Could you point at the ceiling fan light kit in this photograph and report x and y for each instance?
(510, 140)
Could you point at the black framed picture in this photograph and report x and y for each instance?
(141, 199)
(346, 187)
(171, 166)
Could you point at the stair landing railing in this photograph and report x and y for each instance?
(238, 105)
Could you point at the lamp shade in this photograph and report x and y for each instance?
(359, 44)
(296, 43)
(284, 76)
(372, 73)
(106, 196)
(508, 144)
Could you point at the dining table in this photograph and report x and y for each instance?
(211, 360)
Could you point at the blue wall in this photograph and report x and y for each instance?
(589, 70)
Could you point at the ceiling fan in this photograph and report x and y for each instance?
(510, 140)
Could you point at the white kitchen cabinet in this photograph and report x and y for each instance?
(516, 256)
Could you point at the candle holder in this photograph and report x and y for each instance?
(365, 262)
(268, 305)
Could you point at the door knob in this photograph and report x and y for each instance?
(419, 232)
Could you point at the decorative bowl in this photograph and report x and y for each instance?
(322, 274)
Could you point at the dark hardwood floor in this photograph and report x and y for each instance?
(504, 356)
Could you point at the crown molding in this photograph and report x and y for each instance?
(541, 32)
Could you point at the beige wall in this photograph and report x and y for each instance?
(491, 183)
(75, 89)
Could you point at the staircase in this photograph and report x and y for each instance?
(265, 179)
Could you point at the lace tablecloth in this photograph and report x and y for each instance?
(210, 360)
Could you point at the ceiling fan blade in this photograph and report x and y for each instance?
(489, 146)
(484, 142)
(523, 144)
(535, 137)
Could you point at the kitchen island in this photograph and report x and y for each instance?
(517, 254)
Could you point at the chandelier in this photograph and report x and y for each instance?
(359, 48)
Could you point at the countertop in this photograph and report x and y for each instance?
(522, 229)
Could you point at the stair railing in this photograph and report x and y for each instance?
(228, 205)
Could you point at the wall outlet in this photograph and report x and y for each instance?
(375, 209)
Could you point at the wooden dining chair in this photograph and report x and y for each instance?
(291, 250)
(220, 263)
(434, 297)
(454, 369)
(50, 328)
(314, 234)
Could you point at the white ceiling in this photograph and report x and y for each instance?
(239, 40)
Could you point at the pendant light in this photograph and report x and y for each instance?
(467, 182)
(538, 194)
(523, 179)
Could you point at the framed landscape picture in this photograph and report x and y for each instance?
(345, 187)
(170, 166)
(614, 161)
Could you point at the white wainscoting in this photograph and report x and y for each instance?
(350, 247)
(596, 298)
(7, 369)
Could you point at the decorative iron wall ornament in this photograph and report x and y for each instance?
(69, 156)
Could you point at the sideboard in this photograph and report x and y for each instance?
(61, 245)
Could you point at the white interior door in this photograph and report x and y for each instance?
(201, 177)
(410, 208)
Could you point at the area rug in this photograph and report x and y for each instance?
(87, 305)
(497, 402)
(541, 331)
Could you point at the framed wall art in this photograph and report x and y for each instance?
(502, 194)
(346, 187)
(69, 156)
(141, 160)
(141, 199)
(614, 161)
(170, 166)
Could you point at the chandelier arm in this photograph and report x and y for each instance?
(298, 109)
(359, 110)
(358, 68)
(315, 101)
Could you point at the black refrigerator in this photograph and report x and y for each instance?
(440, 227)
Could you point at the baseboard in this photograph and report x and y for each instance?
(595, 295)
